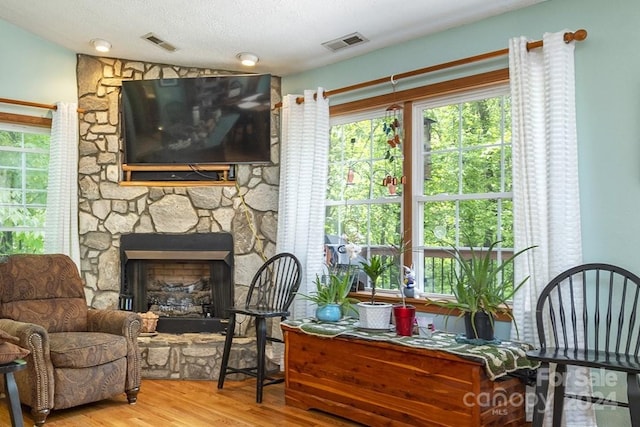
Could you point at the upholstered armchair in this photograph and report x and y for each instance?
(77, 355)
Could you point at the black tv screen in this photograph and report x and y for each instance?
(203, 120)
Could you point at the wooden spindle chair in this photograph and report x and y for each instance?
(272, 291)
(588, 316)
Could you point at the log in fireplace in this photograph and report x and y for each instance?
(185, 279)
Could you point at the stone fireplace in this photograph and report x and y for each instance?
(108, 210)
(187, 280)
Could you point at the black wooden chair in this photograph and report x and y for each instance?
(599, 303)
(272, 291)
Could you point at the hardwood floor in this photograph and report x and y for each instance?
(174, 403)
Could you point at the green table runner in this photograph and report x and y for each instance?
(498, 359)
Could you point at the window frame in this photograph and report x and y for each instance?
(368, 247)
(25, 125)
(407, 98)
(419, 199)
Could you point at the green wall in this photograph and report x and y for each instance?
(607, 96)
(32, 69)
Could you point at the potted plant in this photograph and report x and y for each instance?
(377, 315)
(374, 315)
(481, 290)
(331, 296)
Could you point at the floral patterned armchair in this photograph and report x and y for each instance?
(77, 355)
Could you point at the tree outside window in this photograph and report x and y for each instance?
(462, 197)
(24, 162)
(361, 207)
(465, 199)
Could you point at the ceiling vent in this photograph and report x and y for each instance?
(159, 42)
(345, 41)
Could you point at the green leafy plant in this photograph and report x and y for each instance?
(480, 284)
(376, 266)
(334, 290)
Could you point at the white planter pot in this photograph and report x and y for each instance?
(374, 316)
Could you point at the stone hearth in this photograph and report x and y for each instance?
(192, 356)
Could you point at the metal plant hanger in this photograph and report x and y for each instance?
(392, 128)
(392, 120)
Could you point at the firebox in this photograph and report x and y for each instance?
(185, 279)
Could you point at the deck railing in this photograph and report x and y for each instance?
(439, 265)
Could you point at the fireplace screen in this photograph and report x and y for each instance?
(187, 280)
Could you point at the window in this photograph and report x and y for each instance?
(24, 161)
(461, 179)
(462, 161)
(363, 193)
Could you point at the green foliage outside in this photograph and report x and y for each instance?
(362, 148)
(24, 164)
(467, 183)
(470, 153)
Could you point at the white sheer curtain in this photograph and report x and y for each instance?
(303, 186)
(61, 221)
(546, 200)
(304, 155)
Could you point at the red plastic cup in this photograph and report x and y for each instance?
(405, 316)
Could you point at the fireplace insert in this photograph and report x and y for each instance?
(185, 279)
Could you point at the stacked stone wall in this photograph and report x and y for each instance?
(246, 209)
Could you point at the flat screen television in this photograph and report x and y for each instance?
(192, 121)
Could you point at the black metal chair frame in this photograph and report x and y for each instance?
(608, 321)
(272, 291)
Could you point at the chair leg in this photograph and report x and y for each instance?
(542, 387)
(261, 342)
(633, 394)
(132, 395)
(558, 394)
(39, 417)
(227, 349)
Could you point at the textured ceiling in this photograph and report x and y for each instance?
(287, 35)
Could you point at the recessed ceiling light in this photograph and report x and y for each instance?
(101, 45)
(248, 59)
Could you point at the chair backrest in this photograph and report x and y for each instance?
(275, 284)
(43, 289)
(596, 303)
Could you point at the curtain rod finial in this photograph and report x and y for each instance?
(580, 35)
(577, 35)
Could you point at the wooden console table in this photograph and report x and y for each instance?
(384, 383)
